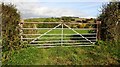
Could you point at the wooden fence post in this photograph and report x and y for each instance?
(21, 31)
(98, 30)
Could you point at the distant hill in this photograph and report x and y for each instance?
(42, 20)
(66, 19)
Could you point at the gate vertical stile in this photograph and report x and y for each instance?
(62, 36)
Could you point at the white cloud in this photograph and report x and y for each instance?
(43, 11)
(30, 10)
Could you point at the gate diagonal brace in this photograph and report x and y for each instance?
(78, 33)
(45, 33)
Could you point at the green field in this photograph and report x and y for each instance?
(65, 31)
(59, 31)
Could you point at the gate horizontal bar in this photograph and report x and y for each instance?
(63, 34)
(66, 37)
(57, 37)
(55, 23)
(60, 28)
(56, 45)
(63, 44)
(41, 22)
(45, 45)
(62, 41)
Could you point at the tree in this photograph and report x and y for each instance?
(110, 21)
(10, 28)
(66, 19)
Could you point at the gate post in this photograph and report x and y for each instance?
(21, 31)
(98, 29)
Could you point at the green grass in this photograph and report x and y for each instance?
(23, 56)
(66, 31)
(104, 54)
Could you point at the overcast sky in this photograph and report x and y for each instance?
(58, 8)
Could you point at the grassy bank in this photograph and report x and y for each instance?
(104, 54)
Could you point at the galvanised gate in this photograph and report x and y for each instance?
(66, 34)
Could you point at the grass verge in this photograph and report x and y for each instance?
(104, 54)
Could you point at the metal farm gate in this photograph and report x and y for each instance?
(53, 34)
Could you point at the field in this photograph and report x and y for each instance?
(59, 31)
